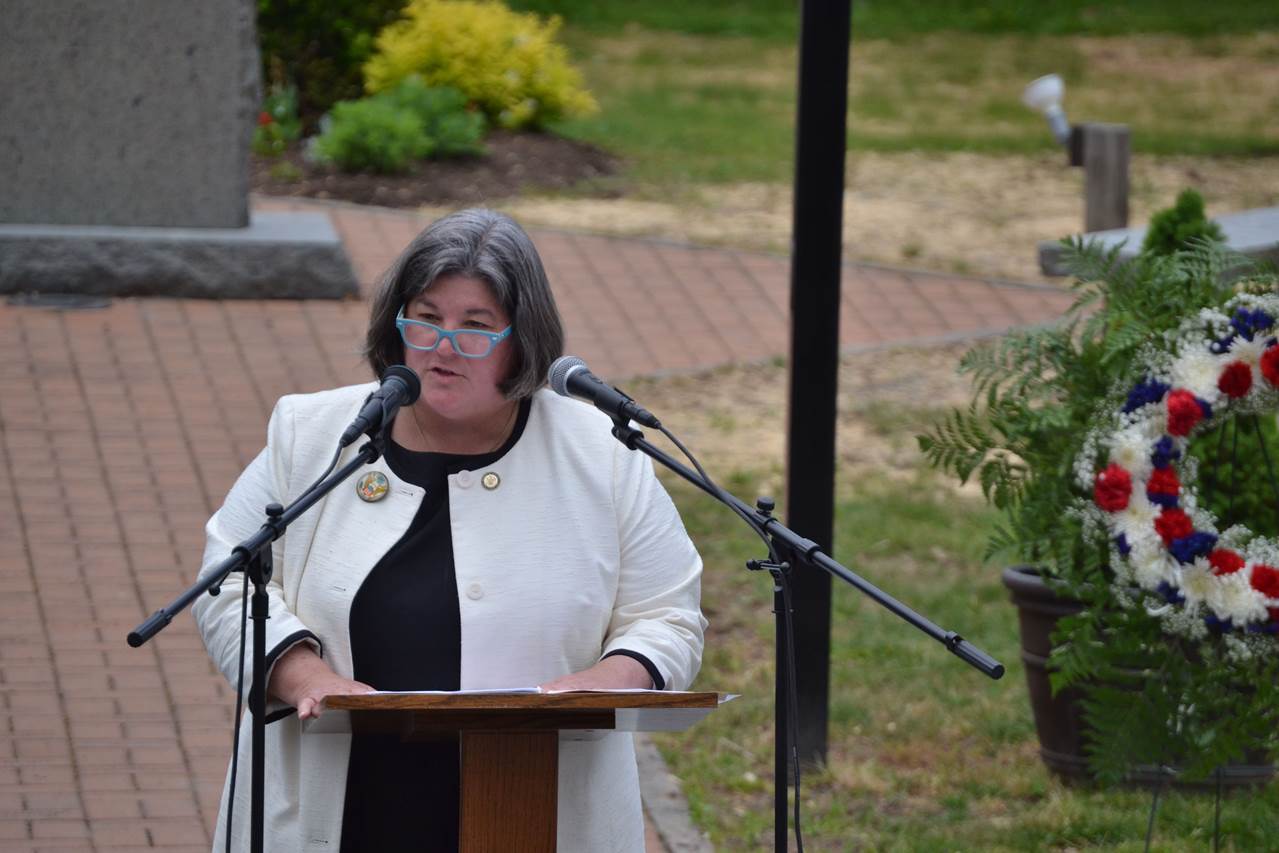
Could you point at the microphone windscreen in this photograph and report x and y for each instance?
(413, 384)
(557, 376)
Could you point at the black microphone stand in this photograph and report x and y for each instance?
(803, 552)
(253, 557)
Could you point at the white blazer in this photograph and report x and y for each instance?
(577, 552)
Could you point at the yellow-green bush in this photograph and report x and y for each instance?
(506, 63)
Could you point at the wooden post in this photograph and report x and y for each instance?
(1104, 149)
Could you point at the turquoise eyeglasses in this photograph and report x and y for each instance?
(468, 343)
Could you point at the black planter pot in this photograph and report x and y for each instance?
(1059, 719)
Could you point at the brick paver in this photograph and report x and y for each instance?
(122, 427)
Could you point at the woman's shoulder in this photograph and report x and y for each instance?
(319, 409)
(570, 418)
(323, 403)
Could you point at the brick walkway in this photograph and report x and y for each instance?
(122, 427)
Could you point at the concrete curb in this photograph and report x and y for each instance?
(664, 802)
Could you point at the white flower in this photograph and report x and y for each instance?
(1137, 522)
(1130, 450)
(1231, 597)
(1196, 582)
(1153, 567)
(1198, 371)
(1249, 352)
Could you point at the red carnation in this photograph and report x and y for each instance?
(1225, 562)
(1173, 524)
(264, 118)
(1163, 482)
(1112, 489)
(1183, 412)
(1274, 614)
(1265, 580)
(1236, 379)
(1270, 365)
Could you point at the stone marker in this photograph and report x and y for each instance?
(134, 117)
(1254, 233)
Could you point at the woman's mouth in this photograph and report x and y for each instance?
(441, 371)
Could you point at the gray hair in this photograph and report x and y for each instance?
(493, 248)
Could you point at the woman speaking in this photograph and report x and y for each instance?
(504, 539)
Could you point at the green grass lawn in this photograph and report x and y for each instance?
(706, 92)
(925, 753)
(779, 19)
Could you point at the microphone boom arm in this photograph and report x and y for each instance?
(809, 552)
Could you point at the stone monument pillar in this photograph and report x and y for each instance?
(124, 143)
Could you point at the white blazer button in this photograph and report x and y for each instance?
(464, 479)
(475, 591)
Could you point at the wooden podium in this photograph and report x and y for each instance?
(509, 746)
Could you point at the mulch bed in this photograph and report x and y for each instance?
(515, 162)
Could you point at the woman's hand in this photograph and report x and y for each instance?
(302, 678)
(618, 672)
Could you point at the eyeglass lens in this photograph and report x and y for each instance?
(428, 337)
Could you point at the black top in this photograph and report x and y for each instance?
(406, 634)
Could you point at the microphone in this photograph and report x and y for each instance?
(400, 387)
(570, 377)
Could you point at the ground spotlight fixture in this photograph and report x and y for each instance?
(1044, 95)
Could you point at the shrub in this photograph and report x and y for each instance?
(321, 46)
(505, 62)
(372, 135)
(453, 128)
(1179, 227)
(386, 132)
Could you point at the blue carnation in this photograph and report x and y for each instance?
(1205, 407)
(1248, 323)
(1197, 544)
(1169, 501)
(1145, 391)
(1164, 453)
(1121, 542)
(1223, 626)
(1221, 346)
(1169, 593)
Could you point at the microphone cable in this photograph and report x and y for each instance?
(792, 699)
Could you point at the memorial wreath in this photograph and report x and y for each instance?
(1167, 552)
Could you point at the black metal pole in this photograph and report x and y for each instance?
(820, 146)
(260, 607)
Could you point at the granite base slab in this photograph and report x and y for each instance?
(280, 255)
